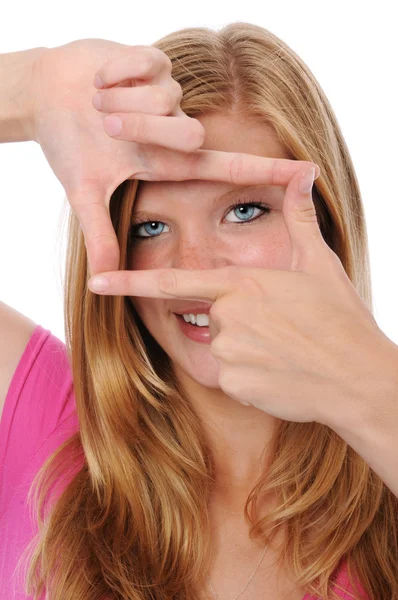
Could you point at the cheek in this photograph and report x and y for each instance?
(269, 248)
(142, 257)
(143, 260)
(147, 308)
(270, 251)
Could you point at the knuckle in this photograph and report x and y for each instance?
(145, 62)
(160, 56)
(236, 169)
(167, 62)
(177, 91)
(195, 133)
(218, 346)
(227, 380)
(167, 281)
(306, 214)
(137, 126)
(250, 284)
(162, 100)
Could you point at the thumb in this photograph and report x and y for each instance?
(100, 239)
(301, 220)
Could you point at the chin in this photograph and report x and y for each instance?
(193, 360)
(188, 358)
(203, 372)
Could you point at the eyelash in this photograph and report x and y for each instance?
(266, 210)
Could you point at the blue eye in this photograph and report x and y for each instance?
(246, 208)
(150, 226)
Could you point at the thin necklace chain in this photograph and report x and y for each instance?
(241, 592)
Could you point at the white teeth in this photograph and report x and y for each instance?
(187, 318)
(201, 320)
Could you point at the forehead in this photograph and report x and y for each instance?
(157, 194)
(226, 133)
(232, 133)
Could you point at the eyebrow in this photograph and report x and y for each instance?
(221, 197)
(237, 191)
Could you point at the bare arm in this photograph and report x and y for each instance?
(15, 126)
(15, 331)
(15, 101)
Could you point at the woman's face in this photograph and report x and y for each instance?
(192, 226)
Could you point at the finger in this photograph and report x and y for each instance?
(144, 99)
(102, 246)
(208, 284)
(139, 62)
(154, 99)
(310, 252)
(215, 165)
(245, 169)
(231, 167)
(179, 133)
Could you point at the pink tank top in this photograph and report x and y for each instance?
(39, 414)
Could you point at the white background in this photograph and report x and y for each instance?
(352, 49)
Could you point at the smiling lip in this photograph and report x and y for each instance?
(197, 334)
(195, 309)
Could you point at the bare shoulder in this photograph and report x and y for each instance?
(15, 332)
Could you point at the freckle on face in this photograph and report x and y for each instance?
(189, 206)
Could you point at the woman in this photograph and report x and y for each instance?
(176, 490)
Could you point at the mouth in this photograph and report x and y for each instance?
(193, 332)
(181, 318)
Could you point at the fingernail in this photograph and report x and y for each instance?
(97, 100)
(98, 283)
(98, 83)
(307, 181)
(113, 125)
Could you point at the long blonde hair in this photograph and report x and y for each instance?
(133, 521)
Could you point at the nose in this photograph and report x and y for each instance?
(201, 253)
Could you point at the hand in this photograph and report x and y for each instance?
(158, 140)
(299, 344)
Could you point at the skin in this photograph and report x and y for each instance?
(195, 234)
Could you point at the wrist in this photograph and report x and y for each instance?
(16, 102)
(375, 404)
